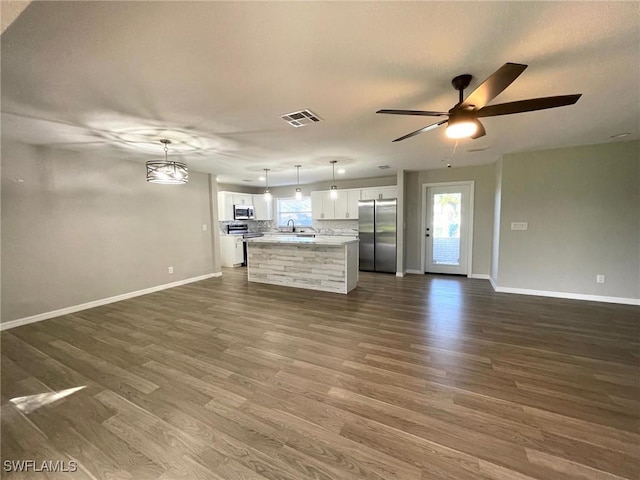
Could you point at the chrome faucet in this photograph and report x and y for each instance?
(293, 224)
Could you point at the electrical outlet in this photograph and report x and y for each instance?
(600, 278)
(170, 269)
(519, 225)
(204, 227)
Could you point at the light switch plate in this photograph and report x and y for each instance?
(519, 225)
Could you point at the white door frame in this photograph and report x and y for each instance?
(425, 186)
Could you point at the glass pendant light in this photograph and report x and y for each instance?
(267, 193)
(165, 171)
(298, 189)
(334, 188)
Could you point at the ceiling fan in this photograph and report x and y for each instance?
(463, 117)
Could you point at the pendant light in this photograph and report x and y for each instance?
(298, 189)
(267, 193)
(334, 188)
(165, 171)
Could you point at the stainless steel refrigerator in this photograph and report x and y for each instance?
(377, 230)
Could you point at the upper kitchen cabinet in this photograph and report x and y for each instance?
(262, 209)
(322, 205)
(226, 201)
(242, 199)
(225, 207)
(378, 193)
(346, 205)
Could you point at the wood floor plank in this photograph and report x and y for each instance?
(423, 377)
(338, 451)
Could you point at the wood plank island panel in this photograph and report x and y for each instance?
(315, 264)
(423, 377)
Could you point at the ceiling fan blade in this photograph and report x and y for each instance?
(424, 129)
(480, 132)
(529, 105)
(492, 86)
(424, 113)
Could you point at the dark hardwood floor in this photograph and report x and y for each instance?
(414, 378)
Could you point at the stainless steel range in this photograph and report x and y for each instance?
(242, 231)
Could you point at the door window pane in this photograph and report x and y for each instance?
(446, 228)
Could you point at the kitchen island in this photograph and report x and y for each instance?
(329, 264)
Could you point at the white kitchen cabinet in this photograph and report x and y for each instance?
(378, 193)
(242, 199)
(322, 205)
(262, 209)
(225, 206)
(226, 201)
(354, 198)
(389, 192)
(346, 205)
(231, 250)
(370, 194)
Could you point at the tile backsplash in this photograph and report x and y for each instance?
(320, 226)
(336, 226)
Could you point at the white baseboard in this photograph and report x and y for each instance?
(97, 303)
(567, 295)
(493, 284)
(415, 272)
(399, 274)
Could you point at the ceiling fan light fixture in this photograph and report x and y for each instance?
(462, 128)
(463, 117)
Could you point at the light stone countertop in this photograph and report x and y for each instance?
(292, 239)
(307, 232)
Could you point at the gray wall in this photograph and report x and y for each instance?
(497, 205)
(484, 178)
(583, 209)
(227, 187)
(79, 227)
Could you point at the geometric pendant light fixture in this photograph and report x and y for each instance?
(165, 171)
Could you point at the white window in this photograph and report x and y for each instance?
(297, 210)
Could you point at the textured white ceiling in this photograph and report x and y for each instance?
(214, 77)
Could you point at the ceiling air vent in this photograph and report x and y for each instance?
(383, 167)
(301, 118)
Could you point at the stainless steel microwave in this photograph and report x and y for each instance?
(243, 212)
